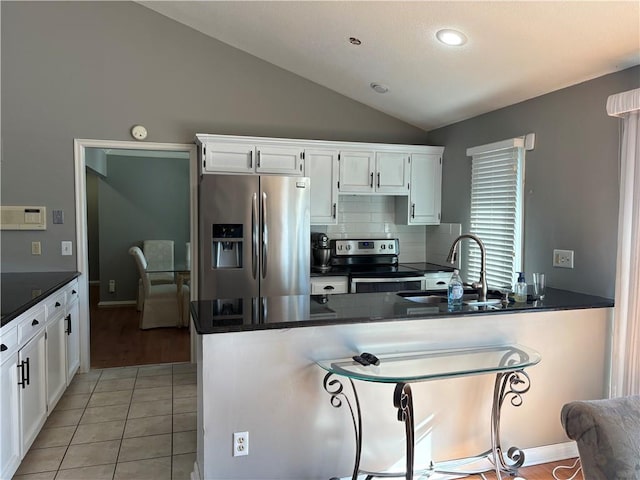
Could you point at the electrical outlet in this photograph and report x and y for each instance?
(112, 286)
(563, 258)
(36, 248)
(240, 444)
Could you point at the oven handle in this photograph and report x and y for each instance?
(355, 281)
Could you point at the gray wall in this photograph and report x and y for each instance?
(141, 199)
(94, 69)
(571, 194)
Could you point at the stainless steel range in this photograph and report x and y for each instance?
(372, 266)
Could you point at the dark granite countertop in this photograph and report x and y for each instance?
(247, 314)
(21, 291)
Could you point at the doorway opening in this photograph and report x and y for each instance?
(126, 193)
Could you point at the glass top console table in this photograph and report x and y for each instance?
(507, 362)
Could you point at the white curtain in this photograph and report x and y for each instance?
(625, 374)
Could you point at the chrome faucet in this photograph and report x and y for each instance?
(481, 285)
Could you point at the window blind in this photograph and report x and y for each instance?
(497, 182)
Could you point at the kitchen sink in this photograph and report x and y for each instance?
(431, 299)
(469, 299)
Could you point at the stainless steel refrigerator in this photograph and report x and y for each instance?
(254, 236)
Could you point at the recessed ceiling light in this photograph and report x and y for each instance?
(379, 88)
(451, 37)
(354, 41)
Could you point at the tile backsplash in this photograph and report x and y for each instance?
(439, 241)
(362, 216)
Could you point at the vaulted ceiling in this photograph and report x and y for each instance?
(515, 50)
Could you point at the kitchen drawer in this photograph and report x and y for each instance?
(8, 342)
(329, 285)
(30, 323)
(72, 292)
(55, 303)
(437, 281)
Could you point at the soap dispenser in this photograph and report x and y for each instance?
(520, 289)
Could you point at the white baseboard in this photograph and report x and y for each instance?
(115, 304)
(195, 475)
(550, 453)
(532, 456)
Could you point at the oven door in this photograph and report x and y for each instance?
(386, 284)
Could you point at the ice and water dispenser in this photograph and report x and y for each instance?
(227, 246)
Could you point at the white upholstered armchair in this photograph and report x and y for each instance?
(161, 306)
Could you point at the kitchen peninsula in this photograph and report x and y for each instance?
(257, 373)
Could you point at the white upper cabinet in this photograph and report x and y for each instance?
(279, 160)
(374, 172)
(357, 171)
(422, 207)
(411, 173)
(228, 158)
(392, 173)
(248, 157)
(321, 166)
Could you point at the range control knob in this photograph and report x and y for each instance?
(391, 246)
(348, 247)
(383, 246)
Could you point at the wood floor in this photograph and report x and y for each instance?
(116, 340)
(541, 472)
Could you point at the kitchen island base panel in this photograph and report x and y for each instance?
(267, 383)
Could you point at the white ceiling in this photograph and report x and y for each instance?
(516, 49)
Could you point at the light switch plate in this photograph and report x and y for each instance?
(58, 216)
(67, 248)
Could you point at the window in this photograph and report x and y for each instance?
(497, 184)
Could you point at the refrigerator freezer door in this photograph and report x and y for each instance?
(229, 225)
(286, 249)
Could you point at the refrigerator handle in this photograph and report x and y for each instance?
(265, 235)
(254, 235)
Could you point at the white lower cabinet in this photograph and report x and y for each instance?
(73, 339)
(39, 354)
(329, 285)
(56, 358)
(9, 407)
(33, 389)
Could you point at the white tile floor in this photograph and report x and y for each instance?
(119, 423)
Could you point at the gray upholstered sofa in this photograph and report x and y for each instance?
(607, 433)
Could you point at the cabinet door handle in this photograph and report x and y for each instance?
(329, 287)
(28, 380)
(68, 319)
(371, 183)
(258, 160)
(250, 158)
(334, 210)
(3, 348)
(413, 210)
(34, 323)
(57, 304)
(73, 292)
(22, 381)
(378, 179)
(24, 373)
